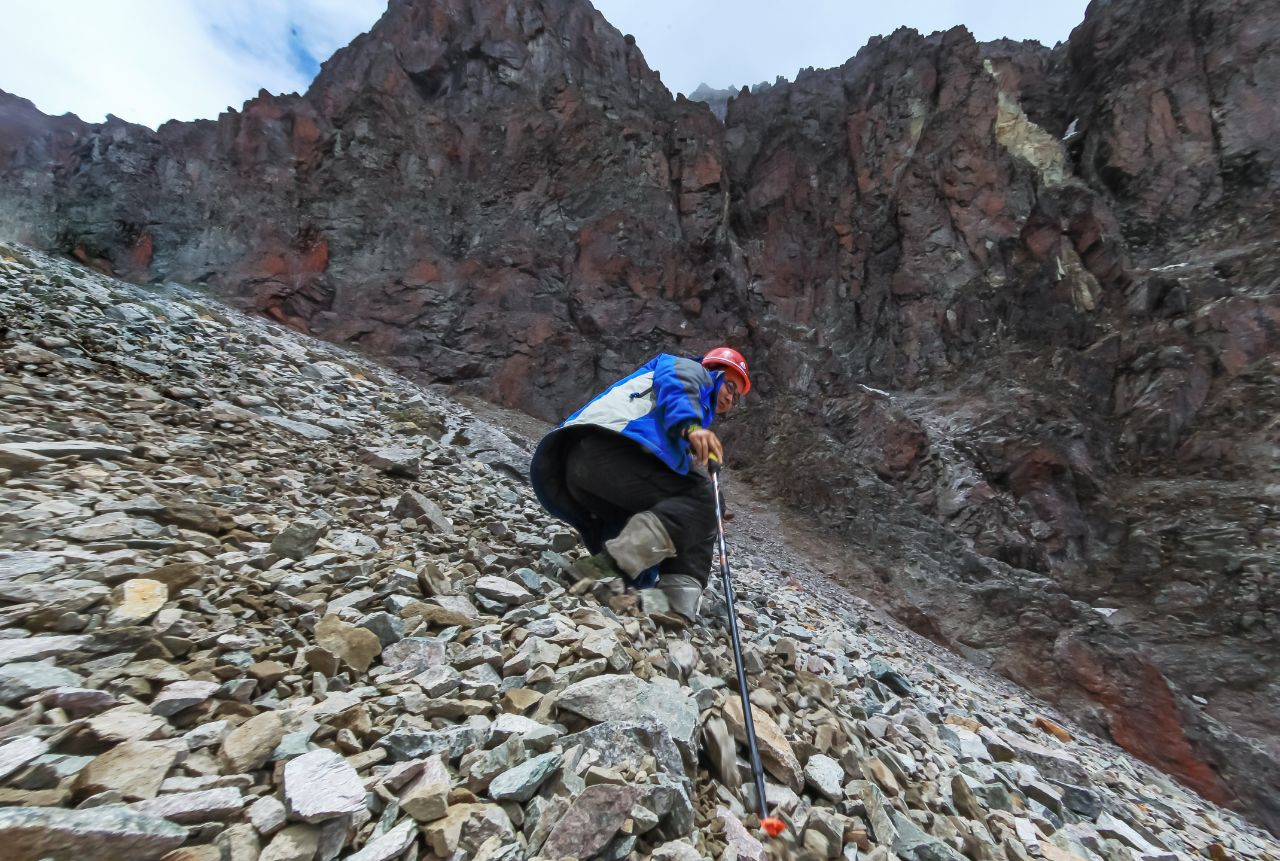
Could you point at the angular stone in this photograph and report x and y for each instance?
(137, 600)
(17, 753)
(388, 845)
(321, 785)
(825, 776)
(39, 648)
(1051, 763)
(298, 539)
(238, 843)
(127, 723)
(625, 744)
(520, 783)
(504, 591)
(676, 850)
(415, 506)
(533, 735)
(620, 697)
(591, 821)
(775, 750)
(426, 798)
(182, 695)
(20, 460)
(408, 743)
(915, 844)
(466, 827)
(77, 448)
(1117, 829)
(267, 815)
(20, 680)
(135, 769)
(879, 813)
(393, 460)
(740, 842)
(115, 526)
(187, 807)
(247, 746)
(719, 745)
(357, 647)
(36, 833)
(416, 655)
(78, 702)
(303, 429)
(295, 843)
(438, 681)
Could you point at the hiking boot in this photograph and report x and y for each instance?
(598, 567)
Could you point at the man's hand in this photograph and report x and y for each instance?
(703, 442)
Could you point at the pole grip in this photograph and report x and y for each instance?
(713, 464)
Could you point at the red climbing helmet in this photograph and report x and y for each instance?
(727, 357)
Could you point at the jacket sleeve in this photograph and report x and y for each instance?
(679, 386)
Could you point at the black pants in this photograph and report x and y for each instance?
(614, 477)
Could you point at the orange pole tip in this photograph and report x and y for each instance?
(772, 826)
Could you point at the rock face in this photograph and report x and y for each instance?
(1012, 310)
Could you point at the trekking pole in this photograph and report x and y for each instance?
(771, 826)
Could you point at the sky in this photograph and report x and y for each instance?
(149, 61)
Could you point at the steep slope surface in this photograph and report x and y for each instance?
(1070, 345)
(259, 593)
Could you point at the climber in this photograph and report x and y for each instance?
(620, 471)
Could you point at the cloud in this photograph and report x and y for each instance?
(743, 42)
(149, 61)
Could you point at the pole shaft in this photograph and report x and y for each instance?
(749, 723)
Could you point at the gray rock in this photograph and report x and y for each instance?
(914, 844)
(86, 449)
(620, 697)
(388, 845)
(22, 679)
(406, 743)
(415, 654)
(415, 506)
(393, 460)
(188, 807)
(536, 736)
(35, 833)
(39, 648)
(298, 539)
(267, 815)
(502, 590)
(303, 429)
(676, 850)
(438, 681)
(520, 783)
(825, 776)
(17, 753)
(321, 785)
(182, 695)
(626, 743)
(387, 628)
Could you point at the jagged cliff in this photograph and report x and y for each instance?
(1012, 310)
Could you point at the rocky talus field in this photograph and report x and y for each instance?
(263, 599)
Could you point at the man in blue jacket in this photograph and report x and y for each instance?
(619, 471)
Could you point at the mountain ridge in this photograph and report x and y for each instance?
(524, 217)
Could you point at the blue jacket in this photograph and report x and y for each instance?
(651, 406)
